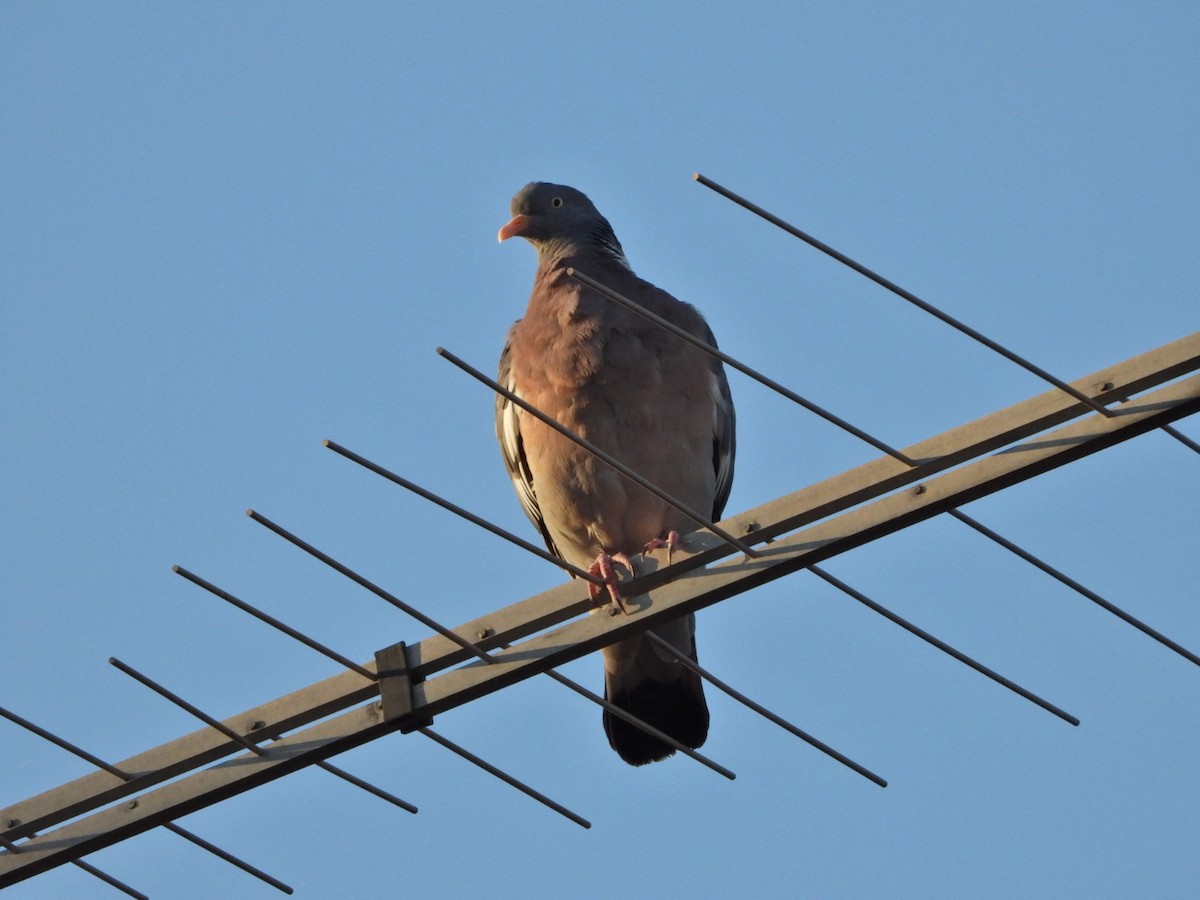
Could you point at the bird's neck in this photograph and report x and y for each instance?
(598, 250)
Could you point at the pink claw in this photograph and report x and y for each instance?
(673, 540)
(604, 569)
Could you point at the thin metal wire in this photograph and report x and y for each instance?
(505, 777)
(1181, 437)
(64, 744)
(373, 588)
(110, 880)
(275, 623)
(928, 307)
(540, 552)
(740, 366)
(228, 857)
(367, 786)
(905, 295)
(943, 646)
(1076, 586)
(606, 458)
(126, 777)
(639, 723)
(204, 717)
(463, 642)
(763, 711)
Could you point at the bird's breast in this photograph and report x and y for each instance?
(636, 398)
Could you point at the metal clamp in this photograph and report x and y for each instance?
(395, 687)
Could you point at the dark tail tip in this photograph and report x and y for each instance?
(677, 709)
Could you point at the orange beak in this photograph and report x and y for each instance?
(515, 227)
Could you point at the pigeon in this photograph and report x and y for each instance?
(650, 399)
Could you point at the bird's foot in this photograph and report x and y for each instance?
(673, 540)
(604, 569)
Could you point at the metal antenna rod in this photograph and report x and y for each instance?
(125, 776)
(334, 770)
(275, 623)
(740, 366)
(504, 776)
(905, 295)
(367, 786)
(1181, 437)
(204, 717)
(108, 879)
(373, 588)
(228, 857)
(475, 649)
(507, 779)
(763, 711)
(927, 307)
(598, 453)
(464, 513)
(638, 723)
(941, 645)
(64, 744)
(1076, 586)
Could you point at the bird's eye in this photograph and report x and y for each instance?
(556, 202)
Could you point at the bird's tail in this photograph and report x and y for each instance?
(648, 683)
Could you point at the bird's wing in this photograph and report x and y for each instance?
(724, 434)
(512, 448)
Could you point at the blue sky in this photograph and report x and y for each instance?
(233, 230)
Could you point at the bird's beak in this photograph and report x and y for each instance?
(515, 226)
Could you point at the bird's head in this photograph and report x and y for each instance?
(560, 221)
